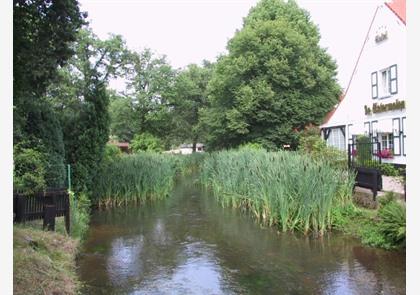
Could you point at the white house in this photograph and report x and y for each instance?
(186, 149)
(374, 102)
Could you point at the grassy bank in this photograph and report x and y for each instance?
(384, 227)
(286, 189)
(43, 262)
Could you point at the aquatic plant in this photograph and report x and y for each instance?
(137, 177)
(286, 189)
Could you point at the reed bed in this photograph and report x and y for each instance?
(138, 177)
(285, 189)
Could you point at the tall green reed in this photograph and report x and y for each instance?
(137, 177)
(286, 189)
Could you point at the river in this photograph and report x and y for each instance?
(189, 244)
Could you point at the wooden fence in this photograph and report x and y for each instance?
(44, 205)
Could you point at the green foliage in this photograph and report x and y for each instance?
(146, 142)
(389, 169)
(122, 113)
(187, 97)
(383, 228)
(112, 153)
(251, 146)
(136, 178)
(43, 32)
(286, 189)
(80, 95)
(79, 211)
(150, 78)
(29, 170)
(311, 143)
(275, 79)
(392, 225)
(43, 35)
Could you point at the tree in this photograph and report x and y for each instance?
(122, 111)
(80, 95)
(150, 78)
(43, 34)
(275, 80)
(188, 97)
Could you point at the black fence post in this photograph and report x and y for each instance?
(49, 217)
(20, 210)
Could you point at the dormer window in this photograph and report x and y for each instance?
(386, 84)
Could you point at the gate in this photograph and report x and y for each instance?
(364, 157)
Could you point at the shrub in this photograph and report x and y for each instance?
(146, 142)
(310, 142)
(29, 170)
(389, 169)
(392, 223)
(111, 153)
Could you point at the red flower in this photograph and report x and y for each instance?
(386, 154)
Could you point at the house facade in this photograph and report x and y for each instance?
(374, 103)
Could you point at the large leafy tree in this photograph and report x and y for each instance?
(188, 97)
(275, 79)
(43, 31)
(144, 106)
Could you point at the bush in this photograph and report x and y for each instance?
(389, 170)
(146, 142)
(29, 170)
(111, 153)
(392, 223)
(310, 142)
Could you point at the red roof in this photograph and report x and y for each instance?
(398, 7)
(122, 144)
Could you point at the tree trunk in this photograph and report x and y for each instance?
(194, 147)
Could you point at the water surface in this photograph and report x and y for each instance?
(188, 244)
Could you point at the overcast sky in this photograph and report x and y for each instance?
(188, 31)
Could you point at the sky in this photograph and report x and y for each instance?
(189, 31)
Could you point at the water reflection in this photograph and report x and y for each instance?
(190, 245)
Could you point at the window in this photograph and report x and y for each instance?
(387, 142)
(374, 81)
(387, 84)
(336, 139)
(393, 79)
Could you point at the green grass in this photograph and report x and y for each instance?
(43, 262)
(286, 189)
